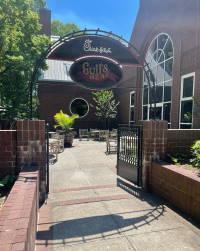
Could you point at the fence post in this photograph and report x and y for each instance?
(154, 147)
(31, 149)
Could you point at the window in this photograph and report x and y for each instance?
(186, 101)
(79, 106)
(132, 107)
(160, 58)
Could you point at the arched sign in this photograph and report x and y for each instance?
(96, 72)
(97, 58)
(112, 49)
(93, 45)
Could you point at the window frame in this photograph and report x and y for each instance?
(131, 106)
(80, 117)
(192, 74)
(154, 65)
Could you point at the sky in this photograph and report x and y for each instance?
(117, 16)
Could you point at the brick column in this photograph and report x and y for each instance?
(7, 152)
(154, 146)
(31, 149)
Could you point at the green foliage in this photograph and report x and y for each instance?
(38, 4)
(7, 182)
(105, 104)
(196, 154)
(20, 48)
(187, 117)
(65, 121)
(60, 29)
(177, 158)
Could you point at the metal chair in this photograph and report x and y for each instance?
(84, 133)
(103, 134)
(94, 133)
(53, 150)
(111, 143)
(113, 133)
(61, 139)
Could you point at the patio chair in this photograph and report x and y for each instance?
(53, 151)
(61, 141)
(103, 134)
(111, 144)
(84, 133)
(113, 133)
(94, 133)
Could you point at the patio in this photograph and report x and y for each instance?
(86, 210)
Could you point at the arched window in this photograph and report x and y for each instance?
(159, 57)
(79, 106)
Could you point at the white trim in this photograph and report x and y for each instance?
(132, 92)
(85, 102)
(159, 34)
(131, 106)
(192, 74)
(154, 64)
(157, 105)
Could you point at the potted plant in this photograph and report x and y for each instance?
(65, 122)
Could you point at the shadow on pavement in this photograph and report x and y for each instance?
(103, 224)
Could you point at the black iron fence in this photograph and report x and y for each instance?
(47, 159)
(129, 153)
(7, 124)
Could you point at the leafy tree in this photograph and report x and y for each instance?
(195, 149)
(60, 29)
(38, 4)
(105, 105)
(20, 48)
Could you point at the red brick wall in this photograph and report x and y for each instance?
(18, 217)
(179, 20)
(31, 148)
(24, 147)
(154, 145)
(7, 152)
(180, 141)
(180, 187)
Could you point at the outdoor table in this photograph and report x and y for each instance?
(51, 133)
(96, 134)
(53, 141)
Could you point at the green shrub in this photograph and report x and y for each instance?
(65, 121)
(7, 182)
(196, 154)
(177, 158)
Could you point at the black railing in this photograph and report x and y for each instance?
(47, 159)
(129, 153)
(7, 124)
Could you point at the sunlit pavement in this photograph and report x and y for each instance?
(86, 210)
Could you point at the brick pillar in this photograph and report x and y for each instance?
(154, 146)
(7, 152)
(31, 149)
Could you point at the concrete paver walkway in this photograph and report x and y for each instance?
(86, 210)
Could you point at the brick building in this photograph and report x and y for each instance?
(167, 35)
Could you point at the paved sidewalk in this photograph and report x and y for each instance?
(87, 211)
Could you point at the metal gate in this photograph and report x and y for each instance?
(129, 154)
(47, 159)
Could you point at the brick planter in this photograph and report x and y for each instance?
(180, 187)
(18, 217)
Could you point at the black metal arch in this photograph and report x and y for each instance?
(149, 74)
